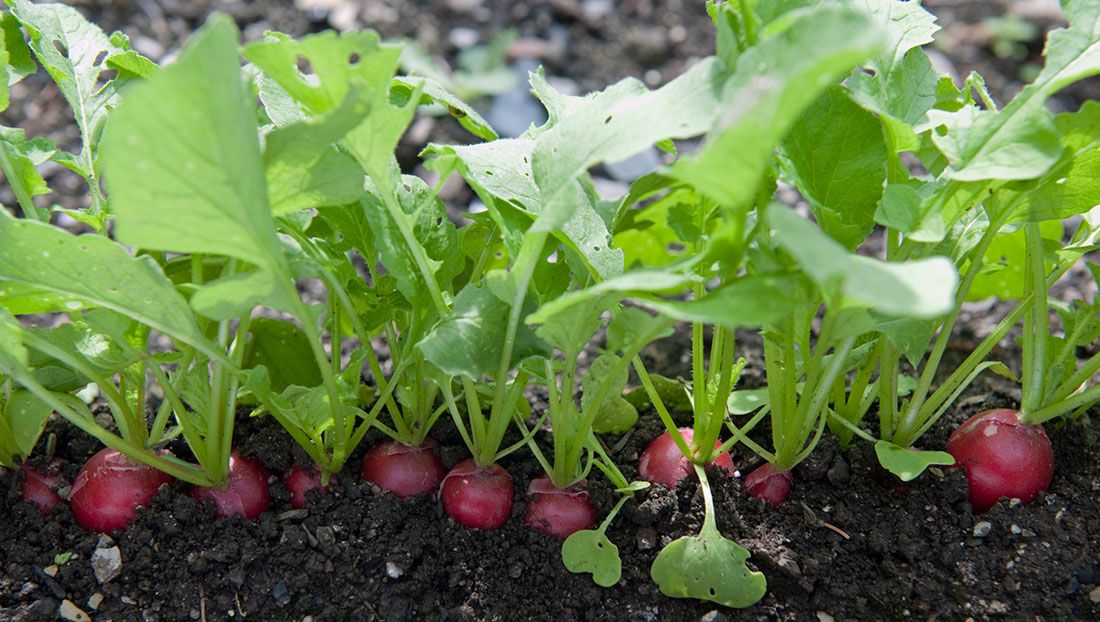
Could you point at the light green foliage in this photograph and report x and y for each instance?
(283, 349)
(468, 341)
(590, 551)
(908, 463)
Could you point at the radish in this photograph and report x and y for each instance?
(662, 462)
(770, 483)
(40, 487)
(110, 488)
(299, 480)
(245, 494)
(1003, 457)
(476, 497)
(402, 469)
(558, 512)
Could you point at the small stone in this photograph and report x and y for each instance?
(463, 37)
(982, 528)
(1027, 533)
(839, 473)
(516, 571)
(997, 606)
(1015, 529)
(69, 611)
(714, 616)
(105, 542)
(280, 594)
(126, 600)
(463, 6)
(51, 570)
(326, 536)
(95, 600)
(824, 617)
(593, 10)
(394, 571)
(1094, 595)
(292, 514)
(646, 538)
(107, 564)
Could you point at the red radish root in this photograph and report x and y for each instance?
(770, 483)
(40, 487)
(299, 480)
(110, 488)
(246, 494)
(662, 462)
(558, 512)
(1003, 457)
(479, 498)
(404, 470)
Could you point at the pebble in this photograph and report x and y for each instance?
(824, 617)
(107, 564)
(292, 514)
(714, 616)
(280, 593)
(463, 37)
(593, 10)
(51, 570)
(394, 571)
(512, 112)
(982, 528)
(69, 611)
(1094, 595)
(1015, 529)
(839, 473)
(95, 600)
(326, 536)
(635, 166)
(646, 538)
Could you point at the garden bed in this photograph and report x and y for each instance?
(852, 542)
(844, 546)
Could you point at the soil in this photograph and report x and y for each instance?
(843, 547)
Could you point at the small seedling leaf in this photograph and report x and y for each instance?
(908, 463)
(591, 551)
(708, 567)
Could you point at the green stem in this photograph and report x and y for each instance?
(659, 406)
(1036, 324)
(22, 195)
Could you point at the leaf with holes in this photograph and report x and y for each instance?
(708, 567)
(590, 551)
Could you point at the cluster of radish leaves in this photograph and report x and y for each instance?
(233, 206)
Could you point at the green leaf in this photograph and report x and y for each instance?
(434, 92)
(836, 155)
(25, 156)
(95, 271)
(616, 416)
(182, 160)
(591, 551)
(27, 416)
(304, 169)
(775, 82)
(749, 301)
(908, 463)
(1073, 186)
(708, 567)
(571, 330)
(469, 340)
(19, 63)
(501, 171)
(1005, 268)
(900, 96)
(630, 283)
(283, 348)
(426, 216)
(746, 401)
(627, 325)
(921, 289)
(75, 53)
(12, 352)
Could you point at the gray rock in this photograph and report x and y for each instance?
(394, 571)
(1094, 595)
(982, 528)
(107, 564)
(594, 10)
(95, 600)
(635, 166)
(281, 594)
(646, 538)
(512, 112)
(463, 37)
(69, 611)
(839, 473)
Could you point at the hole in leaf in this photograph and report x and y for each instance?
(676, 248)
(304, 66)
(608, 119)
(104, 77)
(60, 47)
(102, 56)
(407, 187)
(438, 221)
(712, 592)
(488, 172)
(354, 58)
